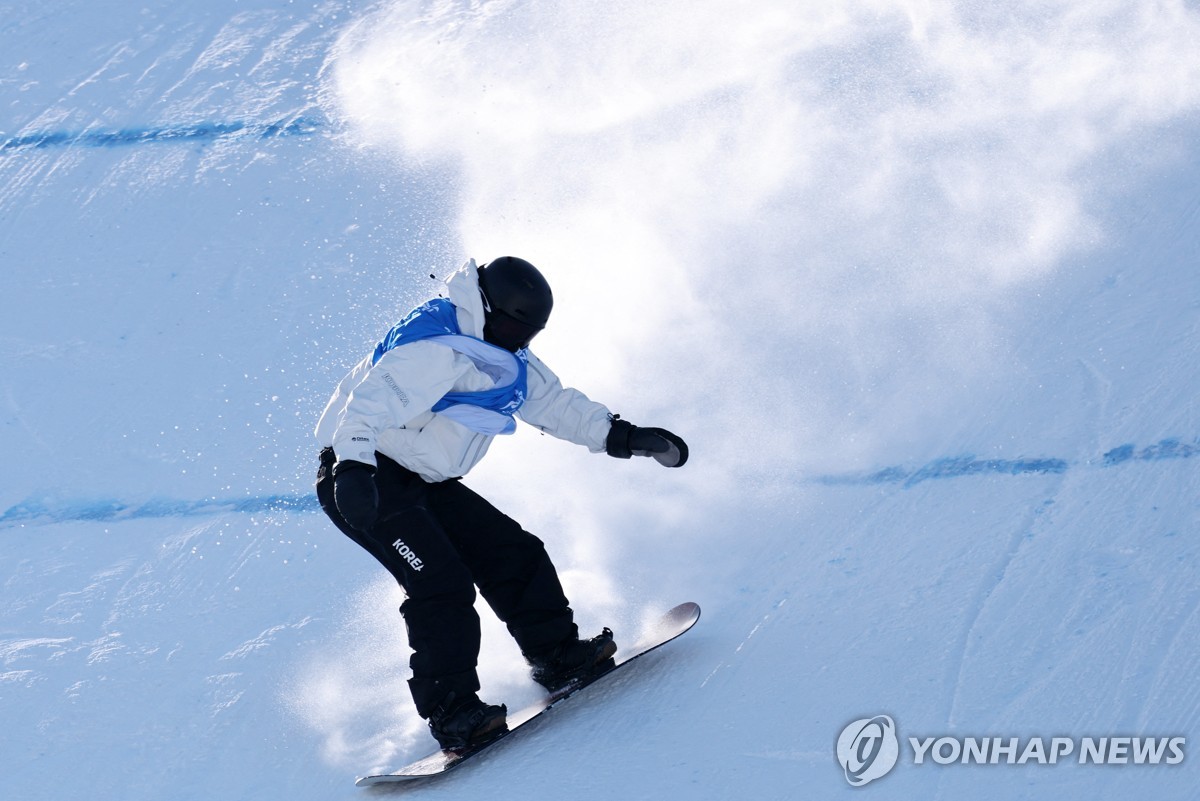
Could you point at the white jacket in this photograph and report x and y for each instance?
(386, 407)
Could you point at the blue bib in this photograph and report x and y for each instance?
(488, 411)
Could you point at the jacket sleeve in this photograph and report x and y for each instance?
(405, 383)
(563, 412)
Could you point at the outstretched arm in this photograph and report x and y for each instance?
(569, 414)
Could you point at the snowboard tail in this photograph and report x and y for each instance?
(671, 625)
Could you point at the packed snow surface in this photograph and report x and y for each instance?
(918, 282)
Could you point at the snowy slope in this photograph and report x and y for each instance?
(918, 282)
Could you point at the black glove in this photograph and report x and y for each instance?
(355, 494)
(625, 440)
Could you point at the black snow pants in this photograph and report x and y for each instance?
(440, 541)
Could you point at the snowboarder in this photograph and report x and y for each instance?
(401, 430)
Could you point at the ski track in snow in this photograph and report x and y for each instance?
(991, 581)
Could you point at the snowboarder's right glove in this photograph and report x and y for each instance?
(355, 494)
(625, 440)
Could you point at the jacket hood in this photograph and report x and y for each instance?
(463, 290)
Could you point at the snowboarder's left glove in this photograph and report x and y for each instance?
(626, 440)
(355, 493)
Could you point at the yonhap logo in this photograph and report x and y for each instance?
(867, 749)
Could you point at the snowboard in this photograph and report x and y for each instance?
(667, 628)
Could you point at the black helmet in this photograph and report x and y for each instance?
(516, 302)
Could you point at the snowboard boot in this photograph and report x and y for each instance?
(464, 720)
(573, 660)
